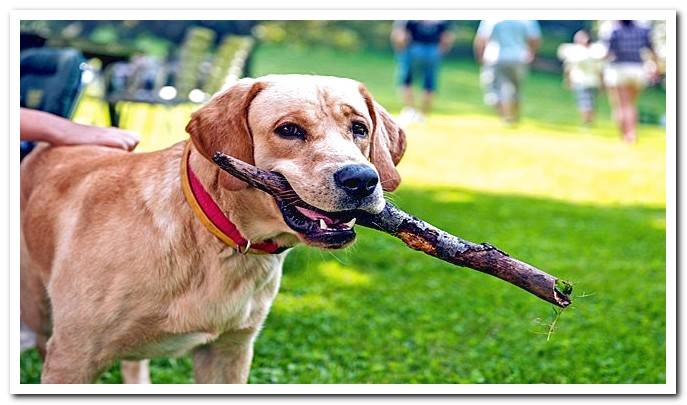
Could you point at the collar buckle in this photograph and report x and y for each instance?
(245, 249)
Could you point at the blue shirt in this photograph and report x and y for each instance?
(507, 39)
(626, 43)
(426, 32)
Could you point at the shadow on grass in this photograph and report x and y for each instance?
(381, 313)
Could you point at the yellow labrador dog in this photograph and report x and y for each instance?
(130, 256)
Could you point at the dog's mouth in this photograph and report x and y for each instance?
(330, 230)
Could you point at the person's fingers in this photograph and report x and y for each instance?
(131, 144)
(124, 139)
(132, 136)
(126, 144)
(123, 145)
(132, 140)
(117, 143)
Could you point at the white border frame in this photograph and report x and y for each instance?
(670, 387)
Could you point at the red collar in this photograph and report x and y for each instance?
(212, 216)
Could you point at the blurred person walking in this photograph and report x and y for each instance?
(505, 48)
(583, 63)
(420, 46)
(627, 73)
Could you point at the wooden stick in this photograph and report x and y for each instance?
(420, 235)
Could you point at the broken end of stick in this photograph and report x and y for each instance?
(561, 293)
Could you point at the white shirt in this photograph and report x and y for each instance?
(584, 63)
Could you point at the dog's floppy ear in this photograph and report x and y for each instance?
(387, 145)
(222, 125)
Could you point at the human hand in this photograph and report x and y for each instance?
(444, 49)
(400, 45)
(399, 39)
(40, 126)
(91, 135)
(653, 74)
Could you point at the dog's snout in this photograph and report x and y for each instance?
(358, 181)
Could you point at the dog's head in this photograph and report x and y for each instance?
(335, 145)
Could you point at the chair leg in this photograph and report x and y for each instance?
(114, 115)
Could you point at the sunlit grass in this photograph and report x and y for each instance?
(289, 303)
(480, 153)
(338, 274)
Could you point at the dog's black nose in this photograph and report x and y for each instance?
(358, 181)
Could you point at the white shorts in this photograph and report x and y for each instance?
(625, 74)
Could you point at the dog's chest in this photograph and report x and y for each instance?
(172, 346)
(235, 293)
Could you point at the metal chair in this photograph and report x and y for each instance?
(50, 81)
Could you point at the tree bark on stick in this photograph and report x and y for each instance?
(419, 235)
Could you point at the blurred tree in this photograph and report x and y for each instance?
(191, 54)
(338, 34)
(153, 37)
(159, 38)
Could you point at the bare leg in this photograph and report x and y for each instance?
(613, 101)
(504, 110)
(225, 361)
(616, 106)
(136, 372)
(587, 116)
(510, 110)
(408, 99)
(427, 102)
(628, 96)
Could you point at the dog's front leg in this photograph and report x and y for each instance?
(226, 360)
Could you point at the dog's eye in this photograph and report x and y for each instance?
(359, 130)
(290, 131)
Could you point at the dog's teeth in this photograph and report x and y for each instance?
(350, 223)
(323, 225)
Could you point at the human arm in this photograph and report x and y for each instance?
(533, 44)
(478, 46)
(41, 126)
(399, 35)
(566, 76)
(480, 42)
(652, 59)
(533, 40)
(446, 39)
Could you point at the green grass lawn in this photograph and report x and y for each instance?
(578, 203)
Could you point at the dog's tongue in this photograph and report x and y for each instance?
(316, 216)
